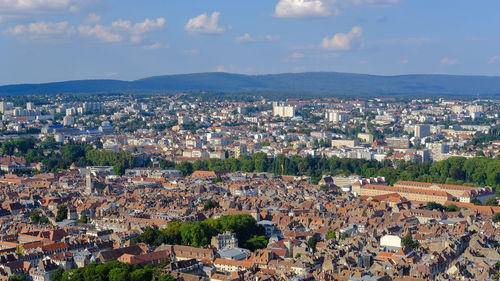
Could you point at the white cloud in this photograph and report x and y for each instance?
(495, 59)
(248, 38)
(42, 29)
(342, 41)
(447, 61)
(93, 18)
(145, 27)
(205, 24)
(100, 32)
(121, 29)
(304, 8)
(220, 68)
(38, 7)
(154, 46)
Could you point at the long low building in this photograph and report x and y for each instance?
(460, 193)
(413, 194)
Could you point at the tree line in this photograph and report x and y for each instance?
(479, 171)
(56, 156)
(200, 233)
(112, 271)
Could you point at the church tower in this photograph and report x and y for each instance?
(89, 185)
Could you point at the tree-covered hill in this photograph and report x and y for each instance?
(313, 83)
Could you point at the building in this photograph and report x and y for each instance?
(30, 106)
(412, 194)
(68, 121)
(401, 142)
(6, 106)
(422, 130)
(336, 116)
(240, 150)
(286, 111)
(225, 240)
(366, 138)
(89, 185)
(345, 143)
(454, 190)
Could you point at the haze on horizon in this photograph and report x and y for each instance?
(56, 40)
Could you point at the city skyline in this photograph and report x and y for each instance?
(49, 40)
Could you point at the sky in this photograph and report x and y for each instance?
(57, 40)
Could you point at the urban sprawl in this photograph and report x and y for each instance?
(199, 187)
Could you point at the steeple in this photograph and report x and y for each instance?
(89, 185)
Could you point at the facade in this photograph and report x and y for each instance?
(283, 111)
(401, 142)
(336, 116)
(225, 240)
(345, 143)
(422, 130)
(412, 194)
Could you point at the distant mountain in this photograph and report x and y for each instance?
(323, 83)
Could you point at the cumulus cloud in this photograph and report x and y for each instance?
(248, 38)
(121, 29)
(93, 18)
(100, 32)
(448, 61)
(304, 8)
(42, 29)
(39, 7)
(297, 55)
(342, 41)
(205, 24)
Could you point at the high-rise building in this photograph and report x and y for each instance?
(422, 130)
(30, 106)
(68, 120)
(336, 116)
(283, 110)
(240, 150)
(5, 106)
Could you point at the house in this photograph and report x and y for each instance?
(12, 163)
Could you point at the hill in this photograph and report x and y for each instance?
(323, 83)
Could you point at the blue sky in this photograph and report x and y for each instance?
(54, 40)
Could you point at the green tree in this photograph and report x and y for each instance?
(185, 167)
(311, 242)
(408, 241)
(57, 275)
(210, 204)
(166, 277)
(17, 277)
(62, 212)
(476, 202)
(496, 218)
(256, 242)
(491, 202)
(83, 219)
(141, 274)
(119, 274)
(331, 235)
